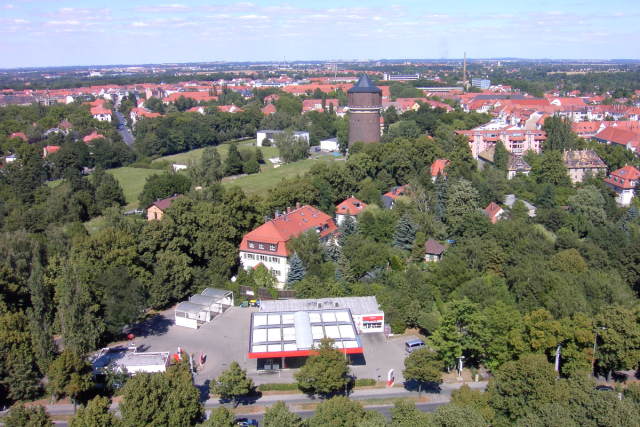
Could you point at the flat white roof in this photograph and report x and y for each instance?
(144, 359)
(302, 330)
(357, 305)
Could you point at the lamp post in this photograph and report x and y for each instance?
(595, 347)
(460, 366)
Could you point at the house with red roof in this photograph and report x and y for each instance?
(139, 113)
(616, 135)
(319, 104)
(269, 109)
(494, 212)
(350, 207)
(92, 136)
(229, 108)
(19, 135)
(433, 251)
(49, 149)
(196, 96)
(267, 244)
(624, 182)
(438, 168)
(156, 210)
(389, 198)
(99, 112)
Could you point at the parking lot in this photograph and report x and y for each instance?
(226, 339)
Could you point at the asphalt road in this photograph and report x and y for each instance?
(126, 134)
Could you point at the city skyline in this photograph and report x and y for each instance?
(37, 33)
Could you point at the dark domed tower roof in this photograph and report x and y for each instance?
(364, 85)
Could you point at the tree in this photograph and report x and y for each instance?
(296, 270)
(551, 170)
(618, 338)
(405, 414)
(232, 384)
(69, 375)
(27, 416)
(251, 166)
(347, 228)
(108, 190)
(405, 233)
(167, 399)
(233, 164)
(462, 200)
(162, 186)
(523, 385)
(340, 411)
(423, 366)
(95, 414)
(279, 415)
(324, 373)
(501, 157)
(457, 416)
(560, 136)
(291, 147)
(124, 300)
(220, 417)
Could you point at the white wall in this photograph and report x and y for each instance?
(328, 145)
(358, 320)
(281, 267)
(186, 322)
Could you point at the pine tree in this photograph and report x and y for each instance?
(442, 190)
(332, 252)
(95, 414)
(259, 155)
(233, 165)
(346, 229)
(500, 156)
(296, 269)
(405, 233)
(21, 416)
(40, 319)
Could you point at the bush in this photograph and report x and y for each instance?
(278, 387)
(365, 382)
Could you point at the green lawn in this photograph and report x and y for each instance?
(223, 149)
(132, 181)
(270, 176)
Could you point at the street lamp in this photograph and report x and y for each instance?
(595, 347)
(460, 366)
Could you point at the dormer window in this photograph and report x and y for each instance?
(260, 246)
(273, 248)
(252, 245)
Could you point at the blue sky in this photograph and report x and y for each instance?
(87, 32)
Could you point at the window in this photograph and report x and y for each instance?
(252, 245)
(273, 248)
(275, 272)
(260, 246)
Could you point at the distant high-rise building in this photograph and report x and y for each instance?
(481, 83)
(365, 103)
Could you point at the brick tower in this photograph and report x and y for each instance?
(365, 103)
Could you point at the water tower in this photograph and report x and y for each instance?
(365, 103)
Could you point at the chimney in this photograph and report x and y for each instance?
(297, 205)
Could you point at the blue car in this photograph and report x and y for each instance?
(246, 422)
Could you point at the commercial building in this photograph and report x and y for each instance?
(365, 104)
(267, 244)
(270, 135)
(129, 360)
(483, 84)
(285, 332)
(203, 308)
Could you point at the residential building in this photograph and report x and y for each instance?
(261, 135)
(583, 163)
(494, 212)
(269, 109)
(99, 112)
(433, 251)
(517, 165)
(49, 149)
(319, 105)
(511, 199)
(156, 210)
(483, 84)
(624, 182)
(615, 135)
(389, 198)
(92, 136)
(267, 244)
(139, 113)
(330, 144)
(438, 168)
(516, 141)
(365, 104)
(350, 207)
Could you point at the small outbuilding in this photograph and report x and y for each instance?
(203, 308)
(433, 251)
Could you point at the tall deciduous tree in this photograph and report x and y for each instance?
(324, 373)
(560, 136)
(69, 375)
(423, 366)
(500, 156)
(220, 417)
(27, 416)
(340, 411)
(95, 414)
(462, 200)
(279, 415)
(619, 338)
(162, 186)
(233, 383)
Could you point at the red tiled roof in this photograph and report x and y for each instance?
(438, 167)
(50, 149)
(492, 210)
(165, 203)
(432, 247)
(280, 230)
(269, 109)
(316, 104)
(20, 135)
(99, 110)
(396, 192)
(93, 135)
(197, 96)
(626, 177)
(618, 136)
(350, 206)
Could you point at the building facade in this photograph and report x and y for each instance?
(267, 244)
(624, 182)
(365, 104)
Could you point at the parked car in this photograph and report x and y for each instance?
(246, 422)
(604, 388)
(413, 345)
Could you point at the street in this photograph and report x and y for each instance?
(124, 131)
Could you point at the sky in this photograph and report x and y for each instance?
(90, 32)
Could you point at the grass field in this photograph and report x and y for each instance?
(132, 181)
(270, 177)
(223, 149)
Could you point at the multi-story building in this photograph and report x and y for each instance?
(624, 182)
(516, 141)
(483, 84)
(583, 163)
(267, 244)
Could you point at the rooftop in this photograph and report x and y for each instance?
(357, 305)
(364, 85)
